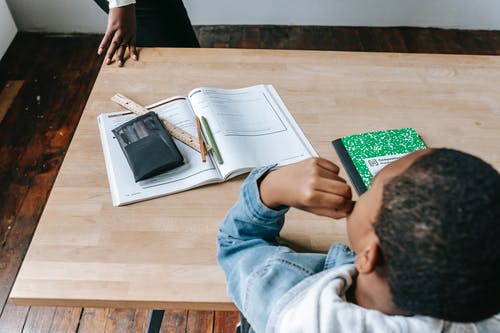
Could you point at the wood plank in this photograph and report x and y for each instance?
(16, 64)
(370, 40)
(119, 320)
(141, 321)
(11, 254)
(174, 321)
(226, 321)
(16, 245)
(275, 38)
(33, 140)
(422, 40)
(391, 40)
(39, 319)
(66, 320)
(93, 320)
(200, 321)
(13, 318)
(493, 38)
(7, 95)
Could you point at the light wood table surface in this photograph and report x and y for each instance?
(162, 253)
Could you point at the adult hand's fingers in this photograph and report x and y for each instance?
(120, 53)
(133, 52)
(113, 47)
(105, 42)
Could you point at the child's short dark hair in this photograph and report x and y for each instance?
(439, 232)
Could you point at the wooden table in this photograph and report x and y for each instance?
(161, 253)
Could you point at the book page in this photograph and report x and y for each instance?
(191, 174)
(251, 126)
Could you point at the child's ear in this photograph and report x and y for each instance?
(366, 260)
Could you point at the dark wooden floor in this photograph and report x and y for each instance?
(45, 81)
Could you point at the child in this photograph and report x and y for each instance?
(425, 237)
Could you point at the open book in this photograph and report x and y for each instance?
(251, 127)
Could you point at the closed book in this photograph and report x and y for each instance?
(364, 155)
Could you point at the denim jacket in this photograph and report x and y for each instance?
(258, 269)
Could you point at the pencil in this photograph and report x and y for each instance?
(212, 141)
(203, 149)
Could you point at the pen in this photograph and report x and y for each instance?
(203, 149)
(212, 141)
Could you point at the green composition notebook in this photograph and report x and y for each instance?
(364, 155)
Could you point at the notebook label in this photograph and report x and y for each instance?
(377, 163)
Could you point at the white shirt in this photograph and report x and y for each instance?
(120, 3)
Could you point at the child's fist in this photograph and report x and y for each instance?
(312, 185)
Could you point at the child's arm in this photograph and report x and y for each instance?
(258, 270)
(312, 185)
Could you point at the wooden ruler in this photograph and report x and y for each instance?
(175, 131)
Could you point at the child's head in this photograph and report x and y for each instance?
(431, 234)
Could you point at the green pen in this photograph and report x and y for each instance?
(212, 141)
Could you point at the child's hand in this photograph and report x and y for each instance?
(312, 185)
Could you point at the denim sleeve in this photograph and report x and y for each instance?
(258, 270)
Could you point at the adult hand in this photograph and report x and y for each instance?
(120, 35)
(312, 185)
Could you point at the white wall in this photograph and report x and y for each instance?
(85, 16)
(8, 28)
(467, 14)
(58, 15)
